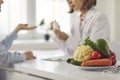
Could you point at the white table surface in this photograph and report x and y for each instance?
(60, 70)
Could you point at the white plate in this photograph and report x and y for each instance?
(95, 68)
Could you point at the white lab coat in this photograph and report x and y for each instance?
(95, 25)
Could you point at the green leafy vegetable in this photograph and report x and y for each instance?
(100, 45)
(42, 22)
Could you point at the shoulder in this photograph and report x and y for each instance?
(99, 14)
(95, 14)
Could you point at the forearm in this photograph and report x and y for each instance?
(67, 46)
(8, 40)
(8, 58)
(60, 44)
(72, 43)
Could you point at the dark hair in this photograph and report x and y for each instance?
(95, 2)
(87, 4)
(71, 9)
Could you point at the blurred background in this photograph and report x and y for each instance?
(33, 11)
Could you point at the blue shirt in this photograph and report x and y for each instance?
(6, 57)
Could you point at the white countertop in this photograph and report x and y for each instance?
(60, 70)
(37, 44)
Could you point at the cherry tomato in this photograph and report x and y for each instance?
(95, 55)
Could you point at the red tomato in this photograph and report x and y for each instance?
(113, 57)
(113, 61)
(95, 55)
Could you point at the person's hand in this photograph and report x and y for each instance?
(24, 27)
(54, 25)
(29, 55)
(61, 35)
(51, 25)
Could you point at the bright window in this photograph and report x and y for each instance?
(32, 12)
(13, 12)
(53, 10)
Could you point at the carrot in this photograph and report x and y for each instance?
(98, 62)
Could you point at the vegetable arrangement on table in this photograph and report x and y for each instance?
(93, 54)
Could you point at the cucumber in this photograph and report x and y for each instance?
(74, 62)
(103, 47)
(69, 60)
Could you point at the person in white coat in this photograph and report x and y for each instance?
(89, 23)
(7, 58)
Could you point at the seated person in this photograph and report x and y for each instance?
(6, 57)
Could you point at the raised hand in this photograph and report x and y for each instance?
(55, 25)
(24, 27)
(56, 29)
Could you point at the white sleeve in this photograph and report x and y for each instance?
(67, 46)
(60, 44)
(70, 45)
